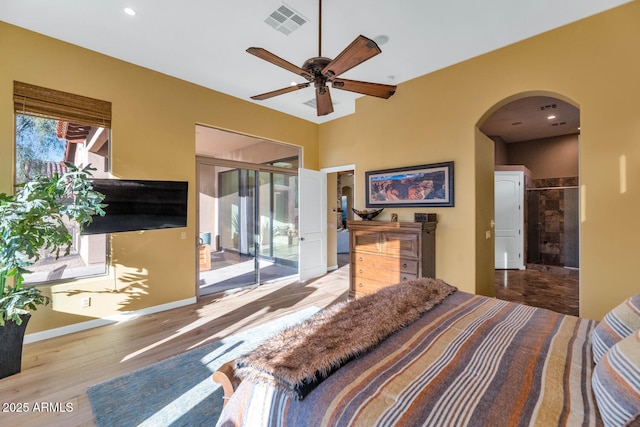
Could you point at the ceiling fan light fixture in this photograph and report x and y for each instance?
(322, 71)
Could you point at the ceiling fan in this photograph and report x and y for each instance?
(320, 70)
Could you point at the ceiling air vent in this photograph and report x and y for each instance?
(548, 107)
(285, 19)
(558, 124)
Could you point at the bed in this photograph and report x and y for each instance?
(464, 360)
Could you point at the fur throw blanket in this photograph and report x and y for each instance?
(299, 358)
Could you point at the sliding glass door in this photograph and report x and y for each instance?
(247, 226)
(278, 225)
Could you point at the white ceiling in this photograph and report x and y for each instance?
(204, 41)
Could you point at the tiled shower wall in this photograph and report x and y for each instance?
(552, 221)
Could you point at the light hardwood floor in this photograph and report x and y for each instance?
(60, 370)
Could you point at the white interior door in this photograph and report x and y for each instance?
(313, 224)
(509, 218)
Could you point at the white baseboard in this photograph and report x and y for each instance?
(121, 317)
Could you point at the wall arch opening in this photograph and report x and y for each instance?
(537, 133)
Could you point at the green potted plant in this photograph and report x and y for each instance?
(32, 220)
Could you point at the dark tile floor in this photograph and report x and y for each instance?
(555, 289)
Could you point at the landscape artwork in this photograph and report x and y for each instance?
(425, 185)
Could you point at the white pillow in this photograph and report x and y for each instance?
(616, 383)
(616, 325)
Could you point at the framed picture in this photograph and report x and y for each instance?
(425, 185)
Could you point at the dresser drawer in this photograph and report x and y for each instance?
(365, 288)
(401, 245)
(382, 275)
(364, 241)
(408, 266)
(372, 261)
(367, 285)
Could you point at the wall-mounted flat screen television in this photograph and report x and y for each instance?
(134, 205)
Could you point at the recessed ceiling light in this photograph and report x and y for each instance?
(129, 11)
(551, 117)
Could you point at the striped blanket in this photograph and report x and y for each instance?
(471, 361)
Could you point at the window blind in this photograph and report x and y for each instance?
(38, 101)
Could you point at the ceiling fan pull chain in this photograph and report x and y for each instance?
(320, 28)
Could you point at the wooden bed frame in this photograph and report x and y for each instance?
(226, 377)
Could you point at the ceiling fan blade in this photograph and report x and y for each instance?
(282, 91)
(366, 88)
(324, 105)
(276, 60)
(356, 53)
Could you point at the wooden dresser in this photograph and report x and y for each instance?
(385, 253)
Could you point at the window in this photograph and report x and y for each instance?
(52, 128)
(288, 163)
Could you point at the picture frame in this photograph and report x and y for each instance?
(429, 185)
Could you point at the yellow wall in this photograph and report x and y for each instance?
(153, 137)
(591, 63)
(484, 232)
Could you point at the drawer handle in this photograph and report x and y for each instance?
(404, 279)
(404, 265)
